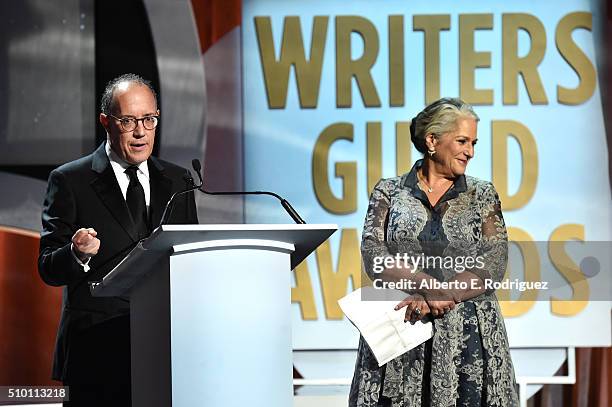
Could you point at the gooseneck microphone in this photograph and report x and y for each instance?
(169, 205)
(197, 167)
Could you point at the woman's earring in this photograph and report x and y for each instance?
(431, 152)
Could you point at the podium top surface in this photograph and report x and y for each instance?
(187, 233)
(305, 238)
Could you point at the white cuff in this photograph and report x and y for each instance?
(85, 264)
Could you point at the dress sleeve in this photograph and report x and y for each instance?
(493, 246)
(373, 237)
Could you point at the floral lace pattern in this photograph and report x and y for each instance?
(467, 362)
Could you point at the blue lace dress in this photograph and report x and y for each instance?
(467, 362)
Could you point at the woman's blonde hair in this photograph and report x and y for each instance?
(439, 118)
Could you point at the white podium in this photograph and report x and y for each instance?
(210, 312)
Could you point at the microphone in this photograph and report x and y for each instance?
(170, 204)
(286, 205)
(197, 167)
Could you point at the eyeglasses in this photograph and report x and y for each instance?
(130, 123)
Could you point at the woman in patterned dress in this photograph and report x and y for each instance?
(436, 208)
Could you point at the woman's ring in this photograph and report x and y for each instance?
(417, 311)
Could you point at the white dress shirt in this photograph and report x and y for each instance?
(119, 166)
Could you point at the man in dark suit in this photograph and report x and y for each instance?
(96, 209)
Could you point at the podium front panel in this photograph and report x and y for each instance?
(231, 328)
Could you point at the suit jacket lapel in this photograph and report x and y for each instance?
(161, 190)
(107, 188)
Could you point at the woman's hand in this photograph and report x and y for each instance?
(439, 307)
(416, 308)
(440, 302)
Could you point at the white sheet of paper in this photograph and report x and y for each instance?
(382, 327)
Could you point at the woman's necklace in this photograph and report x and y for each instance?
(424, 185)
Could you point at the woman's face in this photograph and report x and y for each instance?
(455, 149)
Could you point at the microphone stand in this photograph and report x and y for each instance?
(286, 205)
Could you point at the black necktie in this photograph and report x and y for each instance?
(135, 199)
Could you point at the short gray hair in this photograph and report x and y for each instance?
(439, 118)
(107, 97)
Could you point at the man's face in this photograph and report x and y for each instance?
(131, 100)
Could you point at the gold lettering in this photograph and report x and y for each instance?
(526, 66)
(334, 284)
(403, 148)
(374, 153)
(570, 271)
(431, 25)
(576, 58)
(469, 59)
(347, 171)
(396, 60)
(531, 272)
(302, 293)
(501, 130)
(276, 72)
(347, 68)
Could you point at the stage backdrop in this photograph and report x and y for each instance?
(329, 90)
